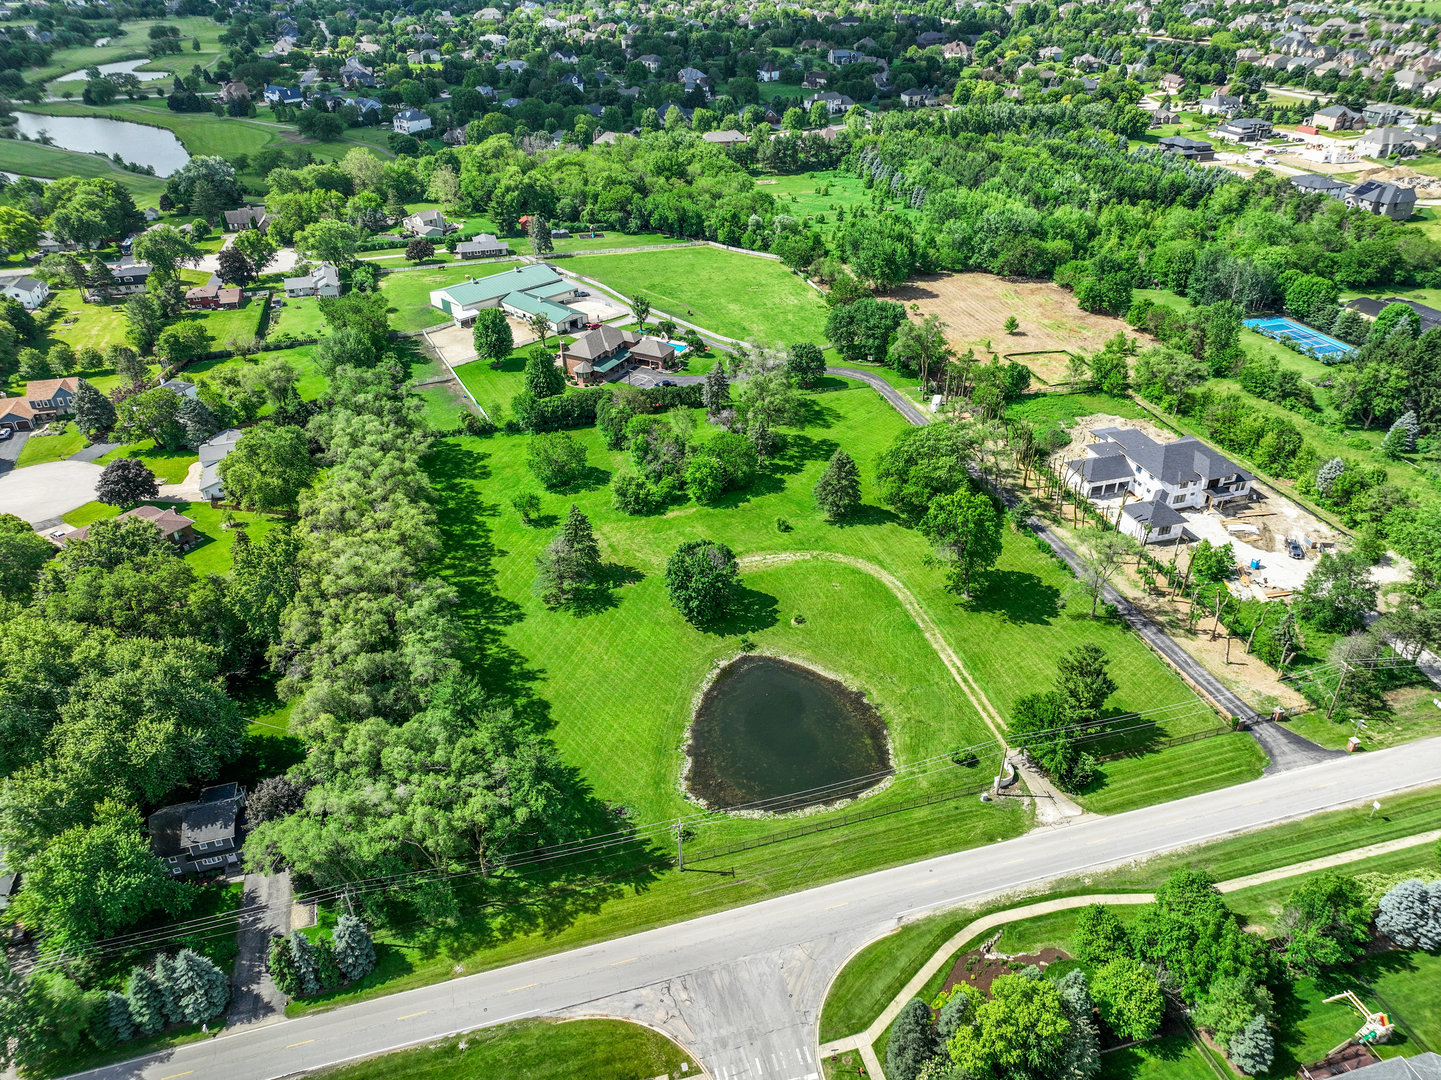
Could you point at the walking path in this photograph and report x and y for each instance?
(863, 1041)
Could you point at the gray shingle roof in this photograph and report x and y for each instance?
(1157, 513)
(1176, 462)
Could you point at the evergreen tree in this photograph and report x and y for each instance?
(1401, 438)
(1410, 914)
(569, 562)
(203, 989)
(166, 980)
(280, 962)
(146, 1002)
(117, 1012)
(1081, 1055)
(307, 963)
(1252, 1048)
(716, 392)
(197, 421)
(99, 277)
(94, 414)
(354, 949)
(838, 491)
(913, 1041)
(1407, 422)
(538, 232)
(1328, 475)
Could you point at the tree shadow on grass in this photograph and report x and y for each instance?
(797, 451)
(601, 596)
(1018, 597)
(812, 413)
(866, 514)
(589, 478)
(751, 611)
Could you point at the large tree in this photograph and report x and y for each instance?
(922, 464)
(1019, 1034)
(702, 580)
(328, 241)
(126, 482)
(965, 526)
(1129, 998)
(542, 377)
(1338, 593)
(269, 468)
(23, 552)
(838, 491)
(1327, 922)
(167, 250)
(569, 563)
(492, 336)
(94, 414)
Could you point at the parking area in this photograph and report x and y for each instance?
(42, 492)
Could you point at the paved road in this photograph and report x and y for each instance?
(904, 405)
(742, 988)
(39, 492)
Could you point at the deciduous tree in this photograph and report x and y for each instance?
(965, 526)
(702, 580)
(126, 482)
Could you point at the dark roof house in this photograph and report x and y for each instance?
(200, 837)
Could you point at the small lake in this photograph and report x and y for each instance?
(120, 67)
(138, 143)
(768, 728)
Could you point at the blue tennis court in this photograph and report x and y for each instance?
(1323, 346)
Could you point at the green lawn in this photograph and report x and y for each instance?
(202, 133)
(297, 318)
(169, 466)
(535, 1050)
(444, 407)
(1232, 758)
(50, 162)
(311, 384)
(1041, 410)
(1173, 1057)
(40, 449)
(225, 325)
(79, 324)
(740, 296)
(493, 388)
(133, 44)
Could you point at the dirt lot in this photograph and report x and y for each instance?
(976, 307)
(454, 343)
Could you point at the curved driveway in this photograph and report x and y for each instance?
(742, 988)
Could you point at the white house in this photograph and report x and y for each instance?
(410, 121)
(28, 291)
(323, 280)
(1155, 480)
(211, 452)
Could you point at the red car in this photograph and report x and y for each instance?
(592, 326)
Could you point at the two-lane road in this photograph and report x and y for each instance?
(742, 988)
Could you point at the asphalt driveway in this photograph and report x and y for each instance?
(41, 492)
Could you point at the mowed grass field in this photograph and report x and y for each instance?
(50, 162)
(628, 744)
(536, 1050)
(133, 44)
(740, 296)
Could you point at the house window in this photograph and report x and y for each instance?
(1178, 499)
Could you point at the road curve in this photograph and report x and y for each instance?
(743, 988)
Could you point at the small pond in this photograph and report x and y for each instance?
(119, 67)
(137, 143)
(767, 728)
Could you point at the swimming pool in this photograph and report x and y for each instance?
(1323, 346)
(678, 348)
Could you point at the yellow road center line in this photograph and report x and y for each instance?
(1254, 802)
(618, 963)
(409, 1016)
(1102, 840)
(843, 903)
(1012, 862)
(527, 986)
(175, 1076)
(292, 1046)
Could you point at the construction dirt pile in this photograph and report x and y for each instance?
(1427, 187)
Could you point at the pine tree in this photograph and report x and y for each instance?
(1410, 914)
(1251, 1047)
(307, 963)
(280, 962)
(539, 233)
(581, 538)
(838, 491)
(166, 980)
(99, 277)
(1327, 475)
(354, 949)
(204, 990)
(146, 1002)
(198, 421)
(94, 414)
(117, 1012)
(1407, 422)
(913, 1041)
(716, 391)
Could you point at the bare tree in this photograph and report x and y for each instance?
(1107, 552)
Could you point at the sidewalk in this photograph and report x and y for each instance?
(863, 1041)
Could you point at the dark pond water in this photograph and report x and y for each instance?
(767, 728)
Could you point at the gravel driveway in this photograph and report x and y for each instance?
(41, 492)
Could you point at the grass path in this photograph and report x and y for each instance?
(967, 682)
(863, 1041)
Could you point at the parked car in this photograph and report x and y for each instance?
(5, 433)
(1294, 548)
(666, 382)
(592, 326)
(581, 292)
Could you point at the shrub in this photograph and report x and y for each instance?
(913, 1041)
(1251, 1047)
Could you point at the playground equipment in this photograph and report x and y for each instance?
(1377, 1028)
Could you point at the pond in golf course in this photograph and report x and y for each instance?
(776, 736)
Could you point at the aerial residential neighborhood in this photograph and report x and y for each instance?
(736, 540)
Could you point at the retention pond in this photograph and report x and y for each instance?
(773, 736)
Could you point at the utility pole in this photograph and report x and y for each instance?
(679, 846)
(1345, 670)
